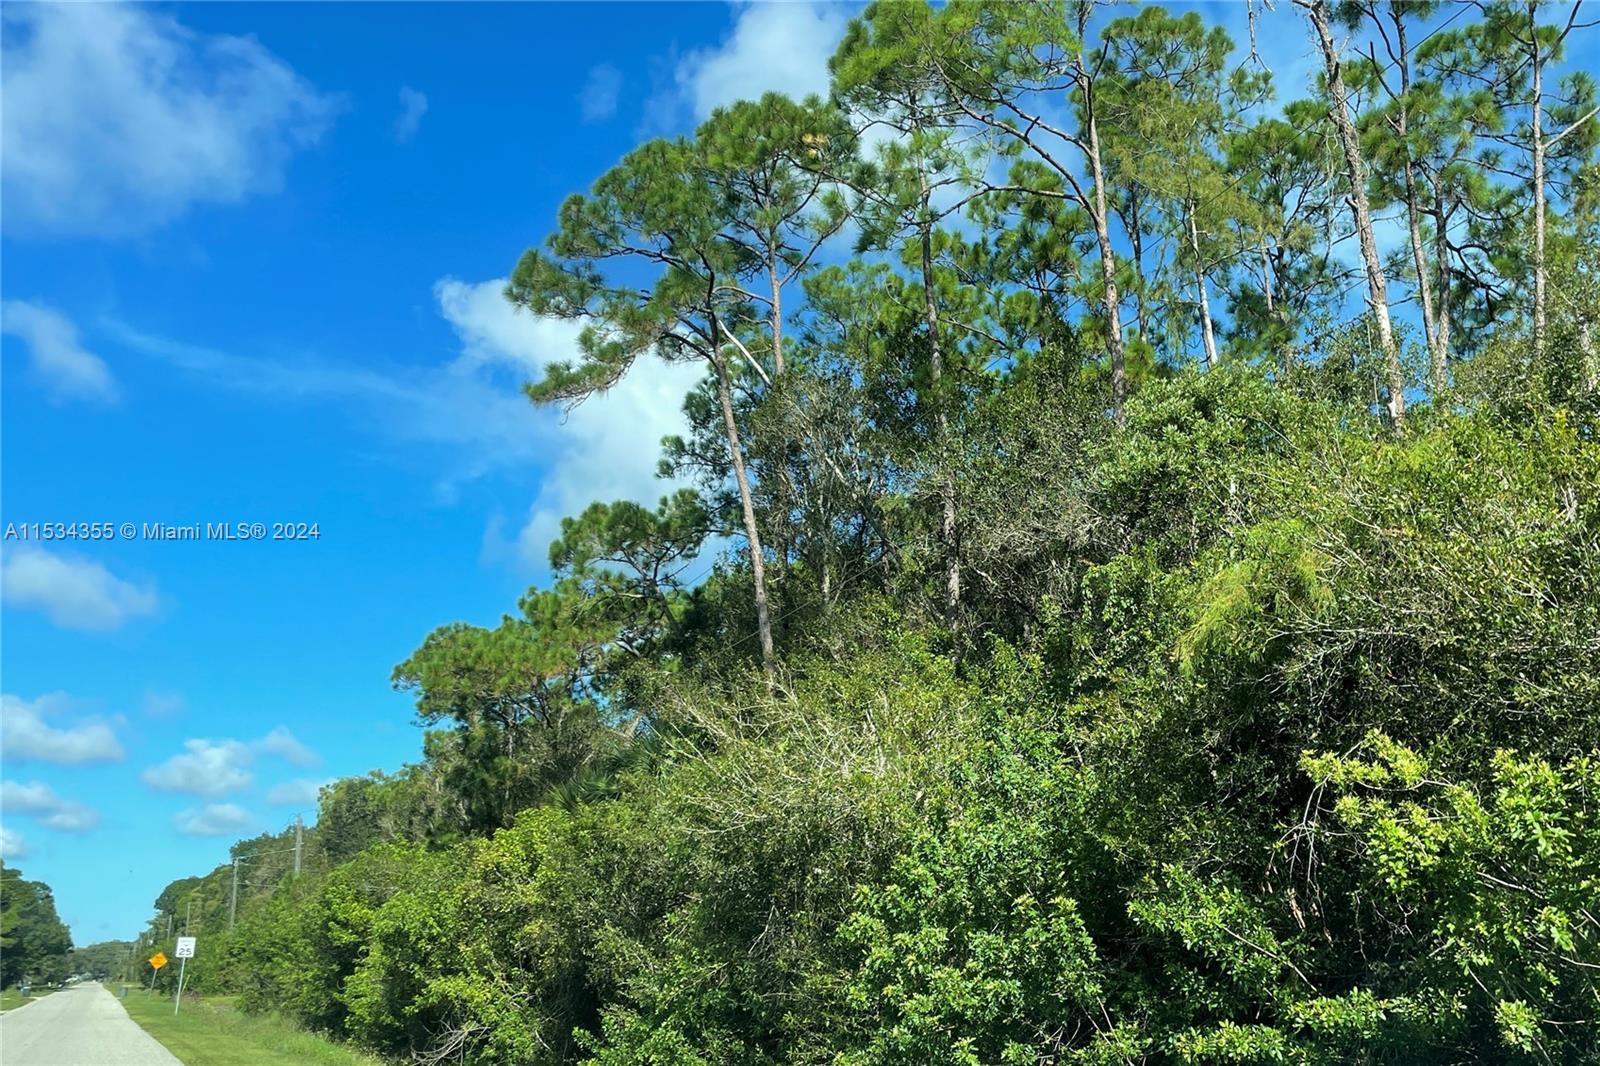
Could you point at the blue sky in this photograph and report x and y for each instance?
(250, 273)
(251, 259)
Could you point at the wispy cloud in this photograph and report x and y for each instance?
(602, 91)
(413, 105)
(163, 705)
(607, 448)
(297, 793)
(75, 593)
(25, 733)
(481, 423)
(282, 743)
(118, 118)
(212, 820)
(57, 357)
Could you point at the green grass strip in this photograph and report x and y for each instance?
(214, 1032)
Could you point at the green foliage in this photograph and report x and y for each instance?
(1496, 874)
(1295, 763)
(1222, 722)
(33, 940)
(103, 960)
(523, 697)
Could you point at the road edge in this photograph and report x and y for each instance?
(25, 1006)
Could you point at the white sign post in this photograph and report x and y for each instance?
(184, 952)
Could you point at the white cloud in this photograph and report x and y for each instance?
(215, 768)
(50, 810)
(68, 370)
(606, 448)
(12, 846)
(601, 93)
(413, 105)
(205, 768)
(282, 743)
(212, 820)
(773, 48)
(117, 118)
(75, 593)
(611, 451)
(494, 332)
(296, 793)
(15, 796)
(24, 733)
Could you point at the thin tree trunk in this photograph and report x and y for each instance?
(1102, 232)
(1108, 267)
(1441, 241)
(1356, 173)
(1206, 335)
(1430, 327)
(1430, 330)
(1538, 184)
(947, 489)
(1266, 279)
(1591, 363)
(777, 314)
(1269, 289)
(758, 567)
(1136, 239)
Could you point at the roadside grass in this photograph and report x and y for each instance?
(214, 1032)
(11, 999)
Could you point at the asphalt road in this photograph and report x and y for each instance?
(79, 1026)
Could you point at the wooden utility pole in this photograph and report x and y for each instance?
(299, 833)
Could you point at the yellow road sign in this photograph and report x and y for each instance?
(158, 960)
